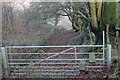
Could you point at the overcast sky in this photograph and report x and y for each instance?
(65, 22)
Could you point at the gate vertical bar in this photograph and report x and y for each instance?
(75, 53)
(103, 47)
(109, 57)
(5, 62)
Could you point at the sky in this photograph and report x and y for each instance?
(64, 21)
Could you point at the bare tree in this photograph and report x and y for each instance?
(7, 15)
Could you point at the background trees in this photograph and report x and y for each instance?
(98, 15)
(7, 15)
(43, 12)
(89, 18)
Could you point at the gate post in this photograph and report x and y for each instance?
(108, 56)
(5, 62)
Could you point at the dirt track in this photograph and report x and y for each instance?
(62, 37)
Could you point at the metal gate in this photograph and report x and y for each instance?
(54, 61)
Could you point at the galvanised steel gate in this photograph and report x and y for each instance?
(54, 61)
(68, 62)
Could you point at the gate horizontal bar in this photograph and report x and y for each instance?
(95, 70)
(49, 59)
(53, 63)
(45, 74)
(46, 70)
(95, 66)
(56, 53)
(54, 46)
(44, 67)
(48, 63)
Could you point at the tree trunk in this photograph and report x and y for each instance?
(93, 15)
(99, 10)
(110, 15)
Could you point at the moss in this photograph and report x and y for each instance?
(110, 15)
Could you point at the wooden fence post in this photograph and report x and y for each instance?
(5, 62)
(108, 56)
(107, 33)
